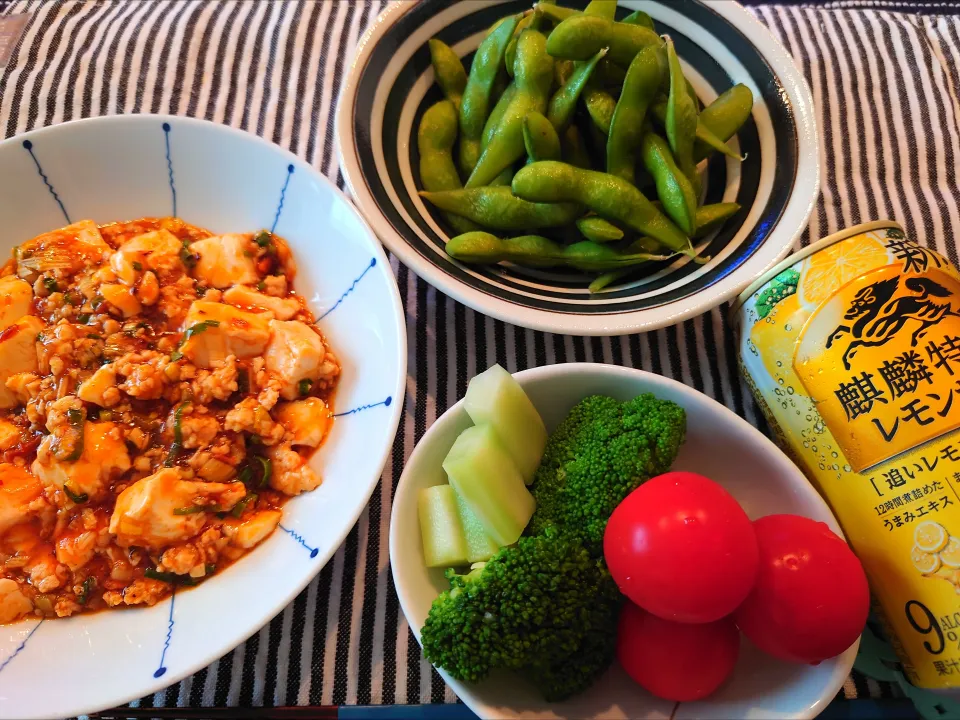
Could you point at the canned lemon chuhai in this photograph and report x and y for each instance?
(852, 349)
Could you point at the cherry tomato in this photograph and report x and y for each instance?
(811, 598)
(675, 661)
(681, 547)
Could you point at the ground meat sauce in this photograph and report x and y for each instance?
(161, 392)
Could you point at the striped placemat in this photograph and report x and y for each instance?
(887, 89)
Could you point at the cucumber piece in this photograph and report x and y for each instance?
(444, 544)
(495, 398)
(480, 546)
(482, 473)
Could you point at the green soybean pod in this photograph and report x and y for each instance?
(504, 179)
(498, 208)
(496, 115)
(711, 217)
(579, 37)
(608, 73)
(476, 96)
(601, 8)
(539, 138)
(533, 79)
(724, 117)
(564, 102)
(626, 126)
(705, 137)
(451, 77)
(681, 120)
(573, 149)
(484, 248)
(600, 105)
(673, 187)
(639, 17)
(607, 195)
(562, 70)
(555, 12)
(597, 229)
(436, 136)
(510, 54)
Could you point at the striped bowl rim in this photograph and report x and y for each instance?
(390, 85)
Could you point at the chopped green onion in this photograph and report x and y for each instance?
(94, 336)
(72, 298)
(167, 577)
(105, 415)
(243, 381)
(83, 318)
(199, 328)
(39, 337)
(175, 355)
(188, 258)
(304, 386)
(86, 589)
(267, 467)
(177, 435)
(187, 580)
(209, 568)
(201, 290)
(137, 266)
(261, 286)
(78, 499)
(50, 284)
(245, 475)
(96, 302)
(242, 505)
(262, 238)
(194, 509)
(75, 418)
(142, 324)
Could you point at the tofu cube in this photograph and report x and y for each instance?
(306, 419)
(245, 297)
(225, 260)
(18, 354)
(104, 458)
(121, 297)
(256, 528)
(148, 250)
(92, 389)
(295, 353)
(16, 299)
(217, 330)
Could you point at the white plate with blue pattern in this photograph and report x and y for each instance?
(127, 167)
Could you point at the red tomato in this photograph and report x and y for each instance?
(681, 547)
(675, 661)
(811, 599)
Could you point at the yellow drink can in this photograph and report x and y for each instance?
(852, 350)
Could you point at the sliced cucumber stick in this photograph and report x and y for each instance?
(495, 398)
(480, 546)
(444, 542)
(484, 475)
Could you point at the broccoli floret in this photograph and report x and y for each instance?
(602, 452)
(542, 607)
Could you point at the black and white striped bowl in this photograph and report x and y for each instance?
(720, 44)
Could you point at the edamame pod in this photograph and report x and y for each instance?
(537, 251)
(681, 120)
(724, 117)
(539, 138)
(476, 95)
(711, 217)
(705, 138)
(504, 179)
(555, 12)
(597, 229)
(533, 78)
(601, 8)
(581, 36)
(607, 195)
(436, 136)
(496, 115)
(564, 102)
(510, 55)
(451, 77)
(626, 126)
(600, 105)
(673, 187)
(640, 18)
(500, 209)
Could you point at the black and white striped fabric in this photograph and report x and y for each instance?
(887, 88)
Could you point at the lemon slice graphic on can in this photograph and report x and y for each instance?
(931, 537)
(925, 562)
(825, 272)
(950, 555)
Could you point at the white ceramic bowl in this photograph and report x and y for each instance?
(126, 167)
(719, 445)
(391, 84)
